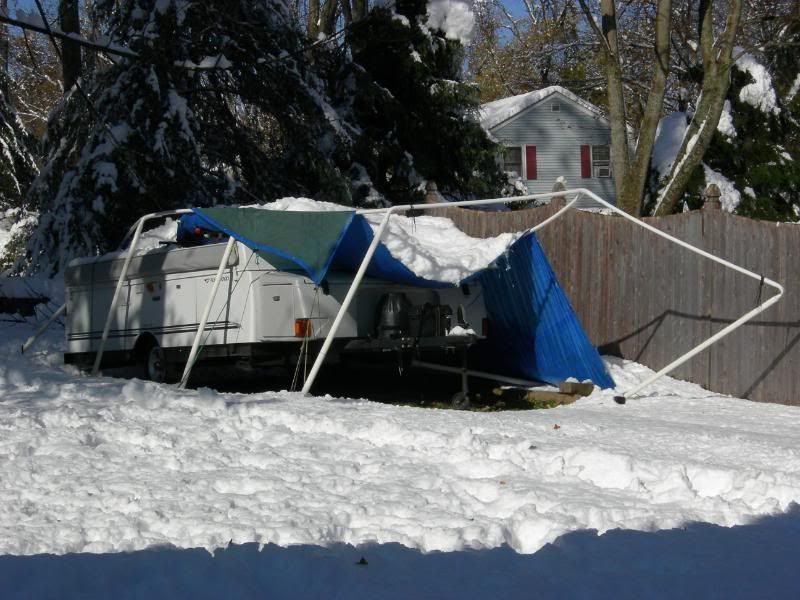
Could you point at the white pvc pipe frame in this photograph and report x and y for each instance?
(579, 192)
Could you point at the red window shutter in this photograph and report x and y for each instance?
(586, 162)
(530, 162)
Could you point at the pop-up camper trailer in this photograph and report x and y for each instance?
(284, 277)
(273, 300)
(166, 300)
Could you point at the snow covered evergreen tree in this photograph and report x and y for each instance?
(17, 170)
(418, 118)
(749, 157)
(753, 157)
(228, 103)
(217, 109)
(17, 167)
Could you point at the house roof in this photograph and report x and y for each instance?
(494, 113)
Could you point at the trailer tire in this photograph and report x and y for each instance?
(152, 360)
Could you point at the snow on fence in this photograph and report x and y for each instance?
(640, 297)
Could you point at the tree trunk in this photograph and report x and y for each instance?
(616, 99)
(327, 19)
(360, 8)
(608, 37)
(717, 62)
(630, 200)
(69, 22)
(312, 26)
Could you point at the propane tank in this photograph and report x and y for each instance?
(393, 310)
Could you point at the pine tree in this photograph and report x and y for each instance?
(418, 118)
(229, 103)
(17, 167)
(753, 156)
(218, 108)
(17, 170)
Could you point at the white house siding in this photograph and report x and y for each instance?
(558, 137)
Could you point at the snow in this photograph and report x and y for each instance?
(725, 125)
(5, 235)
(669, 137)
(760, 93)
(431, 247)
(494, 113)
(209, 62)
(435, 249)
(459, 330)
(613, 498)
(453, 17)
(794, 89)
(731, 197)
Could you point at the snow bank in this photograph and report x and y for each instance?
(103, 465)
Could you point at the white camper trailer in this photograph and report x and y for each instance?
(261, 314)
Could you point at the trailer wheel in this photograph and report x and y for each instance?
(156, 366)
(152, 360)
(460, 401)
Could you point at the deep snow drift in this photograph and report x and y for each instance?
(290, 492)
(106, 465)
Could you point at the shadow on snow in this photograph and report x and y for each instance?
(699, 561)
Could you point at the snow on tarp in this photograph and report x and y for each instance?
(537, 334)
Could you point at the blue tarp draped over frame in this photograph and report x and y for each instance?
(534, 331)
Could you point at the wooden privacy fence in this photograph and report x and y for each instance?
(640, 297)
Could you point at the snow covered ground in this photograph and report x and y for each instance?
(116, 488)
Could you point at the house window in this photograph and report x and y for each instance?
(512, 160)
(601, 162)
(555, 107)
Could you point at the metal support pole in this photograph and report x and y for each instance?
(29, 342)
(472, 373)
(196, 344)
(323, 352)
(115, 298)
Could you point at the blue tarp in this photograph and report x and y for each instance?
(534, 332)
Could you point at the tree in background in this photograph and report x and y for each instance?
(70, 22)
(630, 172)
(17, 163)
(217, 108)
(513, 54)
(17, 170)
(418, 118)
(750, 156)
(716, 52)
(233, 104)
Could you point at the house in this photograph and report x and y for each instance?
(552, 133)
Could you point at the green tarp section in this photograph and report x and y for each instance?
(305, 239)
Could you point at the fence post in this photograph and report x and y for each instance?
(431, 193)
(712, 195)
(559, 201)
